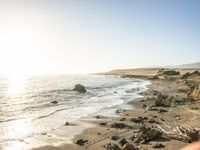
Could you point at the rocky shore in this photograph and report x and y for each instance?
(166, 117)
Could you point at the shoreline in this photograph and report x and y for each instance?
(106, 136)
(107, 132)
(63, 136)
(54, 138)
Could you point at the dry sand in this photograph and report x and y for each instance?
(99, 136)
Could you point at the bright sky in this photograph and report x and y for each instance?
(84, 36)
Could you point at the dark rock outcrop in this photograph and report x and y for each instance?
(81, 142)
(111, 146)
(188, 74)
(138, 119)
(54, 102)
(98, 117)
(119, 125)
(196, 73)
(67, 123)
(147, 134)
(103, 123)
(161, 100)
(80, 88)
(115, 137)
(178, 102)
(128, 147)
(158, 145)
(151, 120)
(170, 72)
(123, 142)
(122, 119)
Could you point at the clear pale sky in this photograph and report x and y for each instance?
(84, 36)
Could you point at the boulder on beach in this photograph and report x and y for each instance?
(112, 146)
(123, 141)
(138, 119)
(81, 142)
(147, 134)
(196, 73)
(115, 137)
(129, 147)
(160, 100)
(158, 145)
(103, 123)
(79, 88)
(119, 125)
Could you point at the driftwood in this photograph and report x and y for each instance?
(174, 131)
(146, 108)
(153, 108)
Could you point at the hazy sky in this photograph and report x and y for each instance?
(80, 36)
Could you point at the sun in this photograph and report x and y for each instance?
(21, 49)
(16, 83)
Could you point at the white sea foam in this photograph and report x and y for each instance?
(30, 112)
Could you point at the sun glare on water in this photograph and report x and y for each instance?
(20, 128)
(16, 83)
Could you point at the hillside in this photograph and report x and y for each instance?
(192, 65)
(146, 71)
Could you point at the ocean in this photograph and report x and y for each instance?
(26, 108)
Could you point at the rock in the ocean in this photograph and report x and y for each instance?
(117, 111)
(81, 142)
(80, 88)
(54, 102)
(67, 123)
(98, 117)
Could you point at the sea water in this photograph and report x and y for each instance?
(26, 108)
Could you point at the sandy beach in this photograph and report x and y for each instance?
(99, 74)
(126, 131)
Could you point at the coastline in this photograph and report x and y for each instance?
(92, 123)
(99, 132)
(82, 127)
(98, 136)
(63, 136)
(105, 136)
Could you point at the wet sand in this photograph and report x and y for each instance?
(188, 117)
(98, 132)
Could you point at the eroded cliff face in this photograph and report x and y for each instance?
(195, 94)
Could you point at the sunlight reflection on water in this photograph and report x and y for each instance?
(15, 84)
(15, 87)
